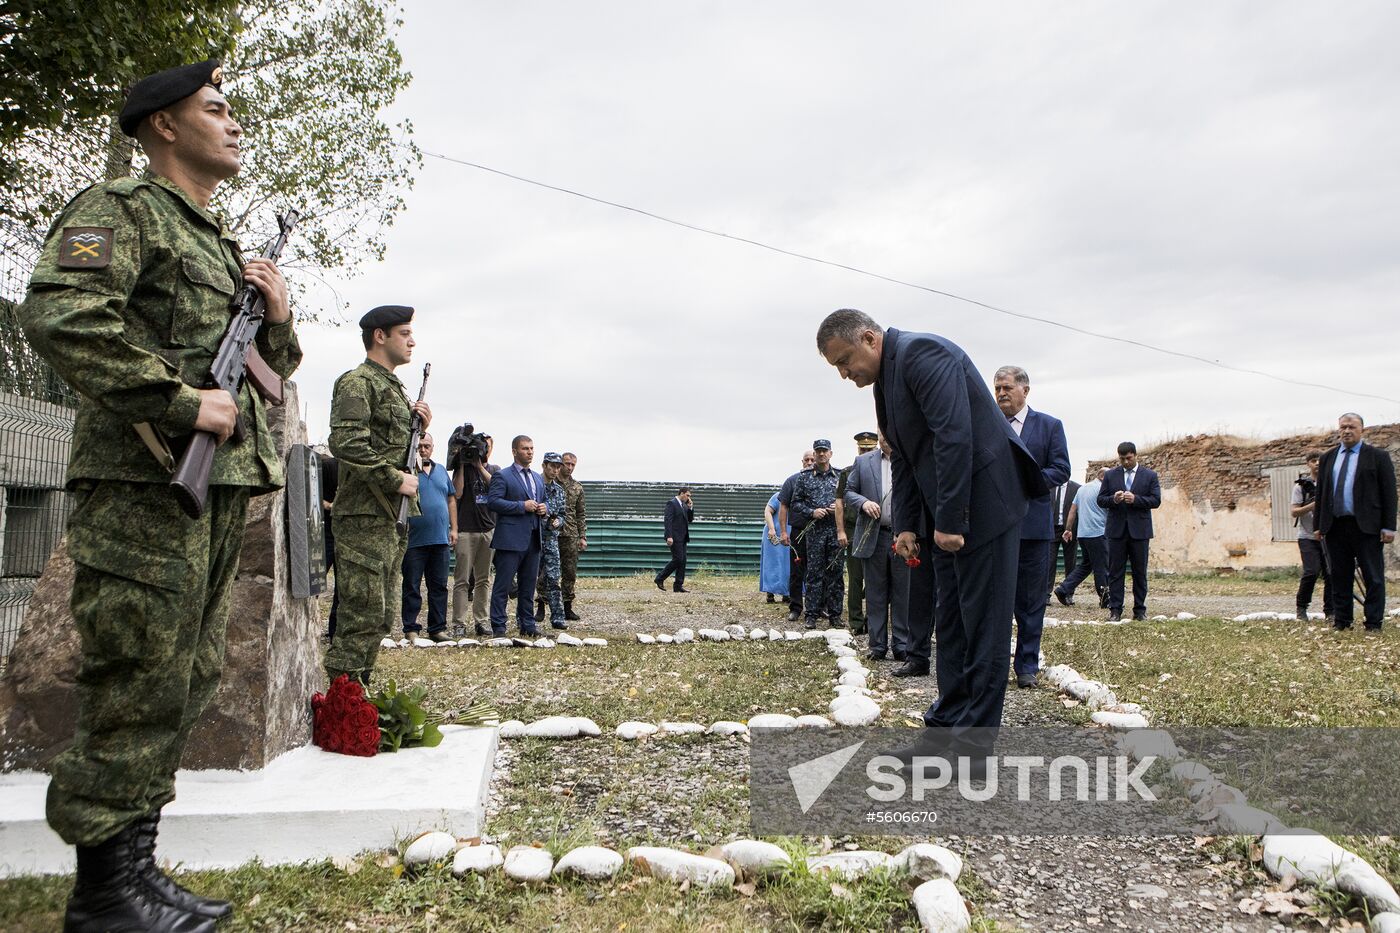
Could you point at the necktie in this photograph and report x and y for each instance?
(1339, 489)
(529, 483)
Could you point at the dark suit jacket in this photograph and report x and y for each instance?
(678, 519)
(957, 466)
(1062, 517)
(516, 529)
(864, 485)
(1044, 437)
(1372, 491)
(1135, 520)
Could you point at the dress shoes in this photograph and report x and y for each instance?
(1063, 599)
(1115, 617)
(1027, 681)
(875, 656)
(837, 622)
(772, 598)
(531, 632)
(794, 615)
(440, 637)
(480, 630)
(1139, 617)
(911, 669)
(680, 589)
(901, 656)
(659, 585)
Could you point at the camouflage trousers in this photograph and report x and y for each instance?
(151, 595)
(369, 570)
(824, 585)
(551, 571)
(568, 565)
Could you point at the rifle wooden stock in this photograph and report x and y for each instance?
(237, 359)
(411, 462)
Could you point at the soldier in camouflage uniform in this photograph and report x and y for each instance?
(550, 570)
(574, 537)
(129, 301)
(371, 419)
(814, 501)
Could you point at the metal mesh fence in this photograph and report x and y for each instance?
(36, 431)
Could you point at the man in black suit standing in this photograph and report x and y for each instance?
(1356, 519)
(961, 481)
(1128, 495)
(1064, 500)
(679, 515)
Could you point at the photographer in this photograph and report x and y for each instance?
(1304, 510)
(468, 458)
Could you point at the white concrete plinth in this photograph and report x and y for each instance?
(306, 805)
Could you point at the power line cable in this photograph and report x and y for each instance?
(915, 285)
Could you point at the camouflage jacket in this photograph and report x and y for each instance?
(575, 521)
(128, 302)
(815, 490)
(370, 424)
(556, 500)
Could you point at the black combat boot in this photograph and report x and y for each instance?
(539, 609)
(162, 884)
(108, 895)
(569, 613)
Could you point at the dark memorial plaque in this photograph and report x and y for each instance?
(306, 536)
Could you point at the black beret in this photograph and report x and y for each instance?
(386, 316)
(160, 90)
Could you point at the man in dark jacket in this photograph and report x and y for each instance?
(679, 515)
(1356, 519)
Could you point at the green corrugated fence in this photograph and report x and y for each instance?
(625, 531)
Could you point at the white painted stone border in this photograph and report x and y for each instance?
(1302, 853)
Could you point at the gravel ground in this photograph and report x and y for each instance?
(1032, 883)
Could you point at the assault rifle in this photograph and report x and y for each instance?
(237, 359)
(410, 465)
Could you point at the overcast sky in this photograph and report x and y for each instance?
(1220, 179)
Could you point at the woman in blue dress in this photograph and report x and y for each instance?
(773, 561)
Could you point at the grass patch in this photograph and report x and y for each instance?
(1212, 672)
(699, 681)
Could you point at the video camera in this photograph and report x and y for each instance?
(465, 447)
(1309, 487)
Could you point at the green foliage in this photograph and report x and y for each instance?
(403, 723)
(307, 79)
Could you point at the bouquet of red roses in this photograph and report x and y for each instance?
(344, 720)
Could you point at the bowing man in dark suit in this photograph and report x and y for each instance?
(679, 515)
(516, 495)
(1044, 437)
(961, 479)
(1128, 495)
(1356, 519)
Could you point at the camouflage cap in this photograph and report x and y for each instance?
(821, 443)
(160, 90)
(552, 457)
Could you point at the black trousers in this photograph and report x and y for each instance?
(1094, 559)
(1348, 548)
(676, 565)
(1121, 552)
(922, 596)
(1069, 548)
(1310, 550)
(972, 627)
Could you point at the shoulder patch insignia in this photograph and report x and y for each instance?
(85, 248)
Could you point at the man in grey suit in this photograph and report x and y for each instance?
(868, 494)
(962, 480)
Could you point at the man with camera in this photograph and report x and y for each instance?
(1304, 503)
(468, 456)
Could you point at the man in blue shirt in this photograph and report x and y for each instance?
(1085, 522)
(431, 537)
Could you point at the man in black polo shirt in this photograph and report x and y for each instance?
(475, 525)
(797, 552)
